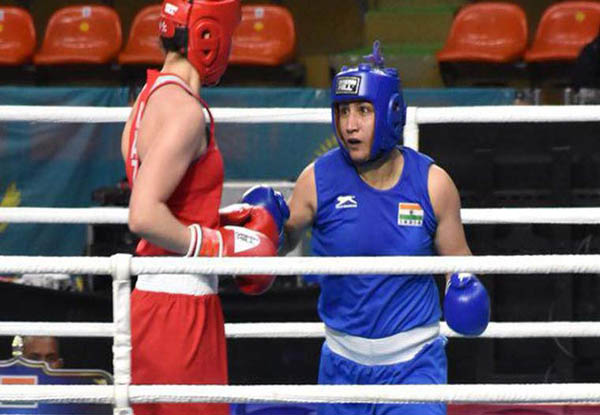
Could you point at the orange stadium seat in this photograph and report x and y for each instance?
(80, 35)
(488, 32)
(17, 36)
(266, 36)
(563, 31)
(143, 45)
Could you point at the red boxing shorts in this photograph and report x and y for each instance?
(177, 339)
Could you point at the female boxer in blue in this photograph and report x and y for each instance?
(373, 197)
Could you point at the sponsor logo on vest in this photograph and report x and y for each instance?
(410, 214)
(347, 201)
(348, 85)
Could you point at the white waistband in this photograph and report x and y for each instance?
(191, 284)
(398, 348)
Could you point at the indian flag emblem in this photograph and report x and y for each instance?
(410, 214)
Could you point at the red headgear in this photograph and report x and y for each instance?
(208, 26)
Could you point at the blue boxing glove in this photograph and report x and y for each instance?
(466, 305)
(273, 202)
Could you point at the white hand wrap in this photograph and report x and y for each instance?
(195, 240)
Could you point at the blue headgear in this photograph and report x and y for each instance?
(381, 87)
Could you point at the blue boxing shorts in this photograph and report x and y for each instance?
(429, 366)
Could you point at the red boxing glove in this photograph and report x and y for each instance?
(238, 241)
(235, 241)
(236, 214)
(241, 242)
(257, 218)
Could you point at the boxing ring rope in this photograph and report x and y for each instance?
(414, 116)
(304, 265)
(486, 264)
(489, 216)
(425, 115)
(121, 267)
(122, 394)
(508, 330)
(515, 393)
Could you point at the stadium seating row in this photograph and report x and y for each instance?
(496, 33)
(91, 34)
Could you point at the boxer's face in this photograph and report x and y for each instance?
(356, 123)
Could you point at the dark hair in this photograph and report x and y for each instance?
(177, 43)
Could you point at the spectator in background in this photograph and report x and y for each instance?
(586, 73)
(41, 349)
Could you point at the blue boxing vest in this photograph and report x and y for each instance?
(355, 219)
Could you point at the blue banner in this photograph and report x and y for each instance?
(21, 371)
(269, 151)
(55, 165)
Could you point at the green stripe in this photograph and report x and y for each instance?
(411, 217)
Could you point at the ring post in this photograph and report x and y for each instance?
(411, 129)
(121, 273)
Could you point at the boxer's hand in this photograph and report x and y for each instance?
(274, 204)
(228, 241)
(256, 218)
(234, 241)
(236, 215)
(238, 241)
(466, 305)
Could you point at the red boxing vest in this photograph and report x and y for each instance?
(198, 196)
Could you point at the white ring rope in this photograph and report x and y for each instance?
(375, 393)
(112, 215)
(524, 264)
(556, 216)
(512, 330)
(105, 215)
(513, 393)
(71, 114)
(505, 330)
(63, 329)
(500, 264)
(508, 113)
(428, 115)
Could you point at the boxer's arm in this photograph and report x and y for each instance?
(125, 135)
(172, 135)
(303, 208)
(450, 235)
(466, 302)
